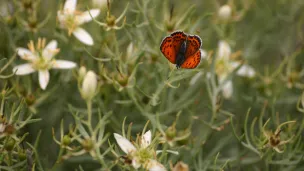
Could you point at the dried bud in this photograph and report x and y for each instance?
(122, 79)
(87, 144)
(224, 12)
(111, 20)
(89, 86)
(9, 129)
(181, 166)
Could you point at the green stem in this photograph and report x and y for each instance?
(59, 156)
(10, 161)
(89, 107)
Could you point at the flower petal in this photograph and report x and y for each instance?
(25, 54)
(124, 144)
(50, 50)
(146, 139)
(44, 77)
(51, 45)
(135, 163)
(246, 71)
(23, 69)
(83, 36)
(70, 5)
(86, 17)
(224, 50)
(227, 89)
(63, 64)
(203, 54)
(154, 165)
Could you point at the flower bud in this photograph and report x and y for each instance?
(89, 86)
(122, 79)
(9, 145)
(66, 140)
(130, 50)
(171, 132)
(82, 72)
(87, 144)
(224, 12)
(21, 155)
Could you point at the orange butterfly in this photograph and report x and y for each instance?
(182, 49)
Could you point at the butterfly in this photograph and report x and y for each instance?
(182, 49)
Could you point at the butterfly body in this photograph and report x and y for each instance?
(180, 58)
(182, 49)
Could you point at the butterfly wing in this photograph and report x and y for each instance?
(178, 38)
(192, 61)
(167, 49)
(194, 43)
(171, 45)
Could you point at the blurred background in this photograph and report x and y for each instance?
(215, 111)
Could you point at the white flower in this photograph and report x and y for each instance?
(246, 71)
(141, 156)
(71, 19)
(224, 50)
(227, 89)
(89, 85)
(224, 66)
(224, 12)
(41, 59)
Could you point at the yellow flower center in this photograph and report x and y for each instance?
(41, 63)
(144, 154)
(222, 67)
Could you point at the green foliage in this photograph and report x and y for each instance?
(240, 109)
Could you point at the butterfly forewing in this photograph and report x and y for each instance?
(167, 49)
(194, 43)
(178, 38)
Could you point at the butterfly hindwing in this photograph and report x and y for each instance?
(192, 61)
(167, 49)
(194, 43)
